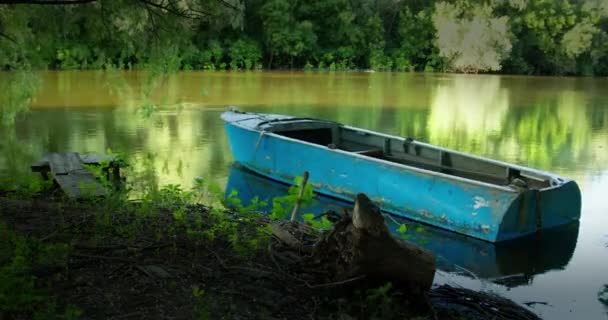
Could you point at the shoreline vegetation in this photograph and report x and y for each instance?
(532, 37)
(152, 252)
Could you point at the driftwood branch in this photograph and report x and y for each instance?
(362, 245)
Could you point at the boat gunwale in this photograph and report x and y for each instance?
(550, 176)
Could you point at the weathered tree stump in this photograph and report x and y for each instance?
(363, 246)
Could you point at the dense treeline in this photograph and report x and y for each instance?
(562, 37)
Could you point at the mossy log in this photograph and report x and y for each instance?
(361, 245)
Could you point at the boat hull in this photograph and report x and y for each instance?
(511, 263)
(483, 211)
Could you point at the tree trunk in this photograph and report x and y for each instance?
(270, 62)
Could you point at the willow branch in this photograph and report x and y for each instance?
(43, 2)
(170, 9)
(6, 36)
(229, 5)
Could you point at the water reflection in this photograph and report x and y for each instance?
(465, 109)
(512, 263)
(557, 124)
(182, 145)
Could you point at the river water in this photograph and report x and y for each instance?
(172, 124)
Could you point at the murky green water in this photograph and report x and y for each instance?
(553, 124)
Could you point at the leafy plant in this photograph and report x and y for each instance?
(282, 206)
(19, 294)
(202, 310)
(244, 54)
(382, 303)
(319, 224)
(18, 89)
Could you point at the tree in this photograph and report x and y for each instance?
(553, 37)
(285, 36)
(471, 37)
(418, 50)
(80, 34)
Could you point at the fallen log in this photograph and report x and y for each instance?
(363, 246)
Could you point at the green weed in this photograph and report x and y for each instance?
(202, 310)
(282, 206)
(20, 293)
(319, 224)
(382, 303)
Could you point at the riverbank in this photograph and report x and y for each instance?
(158, 258)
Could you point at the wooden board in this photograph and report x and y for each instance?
(97, 158)
(70, 173)
(64, 163)
(94, 159)
(40, 165)
(79, 184)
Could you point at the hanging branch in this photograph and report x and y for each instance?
(50, 2)
(171, 8)
(229, 5)
(5, 36)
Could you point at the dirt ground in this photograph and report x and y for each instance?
(152, 274)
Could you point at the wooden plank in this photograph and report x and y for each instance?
(72, 176)
(79, 184)
(64, 163)
(96, 158)
(40, 165)
(427, 165)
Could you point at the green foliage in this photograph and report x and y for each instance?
(202, 310)
(417, 49)
(19, 294)
(318, 224)
(27, 186)
(285, 37)
(282, 206)
(72, 313)
(515, 36)
(244, 54)
(18, 89)
(211, 56)
(415, 235)
(557, 37)
(402, 229)
(381, 303)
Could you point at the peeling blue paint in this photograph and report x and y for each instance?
(489, 212)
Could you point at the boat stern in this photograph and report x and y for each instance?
(559, 205)
(538, 209)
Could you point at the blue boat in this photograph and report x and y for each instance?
(482, 198)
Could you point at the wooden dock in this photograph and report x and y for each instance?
(70, 173)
